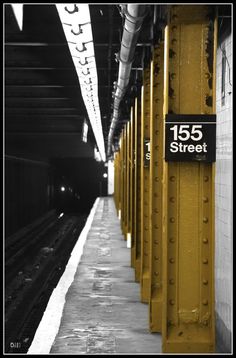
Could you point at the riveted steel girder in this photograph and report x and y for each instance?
(156, 187)
(116, 181)
(132, 184)
(124, 211)
(136, 244)
(188, 323)
(122, 179)
(145, 174)
(128, 203)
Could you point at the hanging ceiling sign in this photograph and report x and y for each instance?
(190, 137)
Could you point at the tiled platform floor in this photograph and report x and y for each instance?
(103, 313)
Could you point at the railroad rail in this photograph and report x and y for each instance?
(34, 264)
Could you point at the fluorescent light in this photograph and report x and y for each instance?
(18, 12)
(85, 132)
(97, 155)
(76, 23)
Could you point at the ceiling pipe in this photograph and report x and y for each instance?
(134, 15)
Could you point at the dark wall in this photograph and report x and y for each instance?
(28, 192)
(84, 176)
(32, 188)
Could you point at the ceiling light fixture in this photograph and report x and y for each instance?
(76, 23)
(85, 132)
(18, 12)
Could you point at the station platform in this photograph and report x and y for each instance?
(102, 312)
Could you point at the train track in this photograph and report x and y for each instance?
(34, 265)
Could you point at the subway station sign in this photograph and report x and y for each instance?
(146, 158)
(190, 137)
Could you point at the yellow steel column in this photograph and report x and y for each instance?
(136, 248)
(127, 180)
(115, 180)
(145, 168)
(124, 215)
(122, 181)
(131, 182)
(188, 321)
(156, 187)
(119, 183)
(134, 187)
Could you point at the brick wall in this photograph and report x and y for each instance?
(224, 195)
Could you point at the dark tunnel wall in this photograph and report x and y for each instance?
(28, 192)
(84, 176)
(33, 188)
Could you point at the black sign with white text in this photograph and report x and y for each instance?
(190, 137)
(146, 152)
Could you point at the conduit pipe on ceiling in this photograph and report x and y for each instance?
(134, 15)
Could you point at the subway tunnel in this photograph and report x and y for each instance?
(117, 178)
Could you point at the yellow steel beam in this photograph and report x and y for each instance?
(134, 189)
(119, 183)
(135, 211)
(188, 322)
(145, 173)
(136, 244)
(122, 191)
(156, 187)
(124, 216)
(127, 179)
(132, 192)
(115, 181)
(125, 226)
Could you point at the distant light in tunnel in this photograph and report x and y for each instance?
(76, 24)
(18, 12)
(63, 188)
(105, 175)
